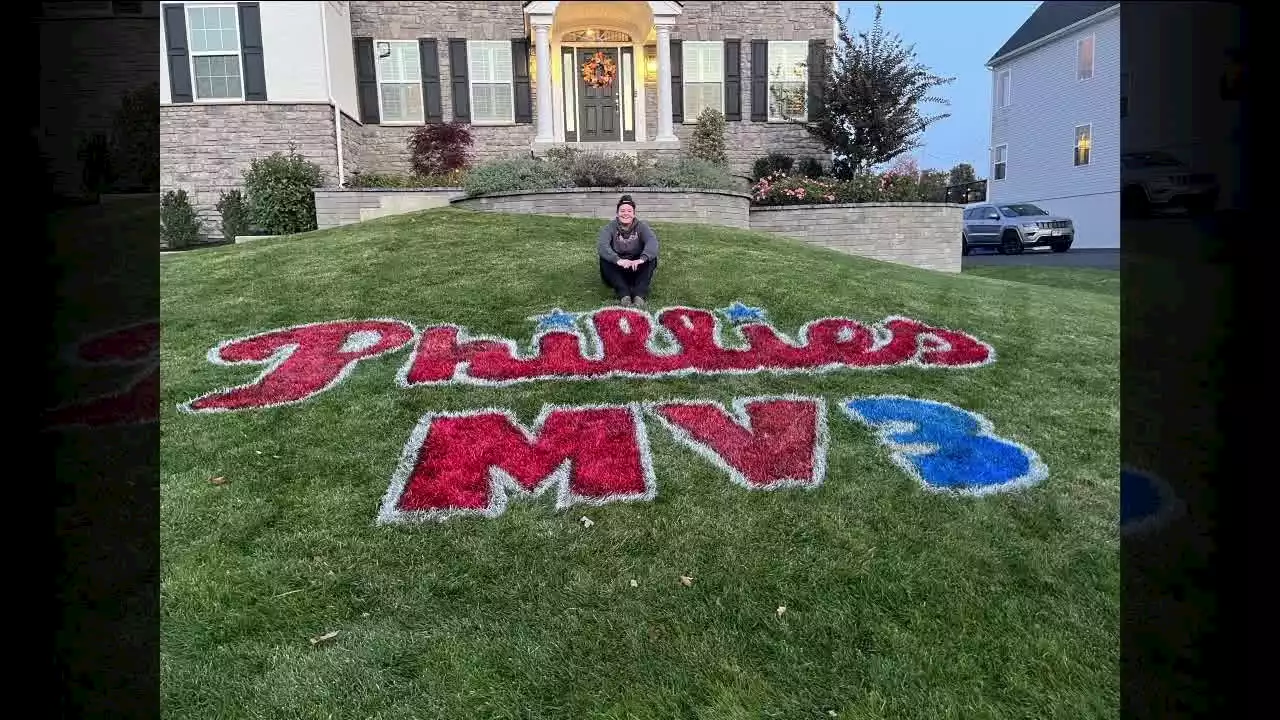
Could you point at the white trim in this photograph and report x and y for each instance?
(994, 162)
(991, 64)
(770, 117)
(192, 54)
(377, 74)
(1008, 93)
(1075, 139)
(1093, 56)
(328, 89)
(573, 47)
(471, 83)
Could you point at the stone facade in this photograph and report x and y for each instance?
(205, 149)
(706, 207)
(924, 235)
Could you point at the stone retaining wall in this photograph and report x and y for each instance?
(924, 235)
(711, 207)
(341, 206)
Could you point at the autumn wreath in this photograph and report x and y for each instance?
(599, 71)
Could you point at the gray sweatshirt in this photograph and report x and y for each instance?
(613, 243)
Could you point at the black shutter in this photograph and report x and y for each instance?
(520, 75)
(433, 108)
(367, 81)
(733, 80)
(175, 35)
(759, 80)
(459, 87)
(817, 77)
(255, 75)
(677, 81)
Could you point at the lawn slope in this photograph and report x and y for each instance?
(899, 603)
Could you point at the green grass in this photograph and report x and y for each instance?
(900, 603)
(1094, 280)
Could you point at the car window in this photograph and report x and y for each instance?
(1021, 210)
(989, 213)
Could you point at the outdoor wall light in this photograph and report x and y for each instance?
(650, 65)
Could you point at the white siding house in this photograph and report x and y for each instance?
(1055, 118)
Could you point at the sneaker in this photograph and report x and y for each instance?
(625, 301)
(639, 301)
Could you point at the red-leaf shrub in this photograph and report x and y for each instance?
(440, 149)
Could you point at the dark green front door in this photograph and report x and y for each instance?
(597, 106)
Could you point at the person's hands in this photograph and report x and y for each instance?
(638, 262)
(623, 263)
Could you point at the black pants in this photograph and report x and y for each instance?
(628, 282)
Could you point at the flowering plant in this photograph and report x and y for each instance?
(778, 188)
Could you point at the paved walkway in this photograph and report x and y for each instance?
(1084, 257)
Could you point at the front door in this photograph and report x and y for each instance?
(598, 106)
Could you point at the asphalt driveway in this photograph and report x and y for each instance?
(1084, 257)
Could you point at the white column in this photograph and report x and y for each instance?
(664, 84)
(546, 121)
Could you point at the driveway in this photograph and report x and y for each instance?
(1084, 257)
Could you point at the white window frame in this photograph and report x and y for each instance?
(1093, 56)
(377, 69)
(769, 82)
(193, 54)
(472, 45)
(716, 47)
(995, 161)
(1007, 76)
(1075, 146)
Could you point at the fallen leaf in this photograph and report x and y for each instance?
(686, 581)
(364, 614)
(635, 584)
(586, 521)
(219, 480)
(325, 637)
(258, 451)
(832, 713)
(781, 610)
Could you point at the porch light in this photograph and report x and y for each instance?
(1083, 143)
(650, 65)
(533, 68)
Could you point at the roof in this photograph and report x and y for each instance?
(1048, 19)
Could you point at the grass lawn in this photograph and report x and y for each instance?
(900, 603)
(1094, 280)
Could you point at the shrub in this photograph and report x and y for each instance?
(179, 224)
(455, 178)
(94, 153)
(899, 187)
(597, 169)
(708, 137)
(562, 155)
(783, 189)
(440, 149)
(235, 214)
(279, 192)
(515, 174)
(135, 141)
(771, 164)
(811, 168)
(689, 172)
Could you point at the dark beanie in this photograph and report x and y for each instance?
(626, 200)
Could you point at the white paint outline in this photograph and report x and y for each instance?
(278, 358)
(1171, 506)
(738, 413)
(501, 484)
(661, 334)
(900, 453)
(70, 352)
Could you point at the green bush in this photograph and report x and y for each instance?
(515, 174)
(708, 141)
(235, 214)
(279, 192)
(811, 168)
(179, 224)
(135, 141)
(689, 172)
(783, 189)
(598, 169)
(456, 178)
(771, 164)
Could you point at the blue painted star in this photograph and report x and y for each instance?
(1145, 500)
(739, 313)
(557, 319)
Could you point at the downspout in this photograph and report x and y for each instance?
(328, 87)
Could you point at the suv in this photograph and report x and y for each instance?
(1157, 180)
(1012, 227)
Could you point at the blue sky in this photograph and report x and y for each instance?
(953, 39)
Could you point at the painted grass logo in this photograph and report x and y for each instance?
(471, 463)
(131, 354)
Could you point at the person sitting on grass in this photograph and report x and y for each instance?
(628, 251)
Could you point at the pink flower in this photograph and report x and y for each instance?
(831, 198)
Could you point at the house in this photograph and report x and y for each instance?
(1055, 117)
(348, 82)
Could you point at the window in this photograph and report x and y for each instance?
(1000, 164)
(703, 68)
(399, 81)
(1124, 94)
(213, 32)
(1004, 82)
(989, 213)
(1084, 142)
(1084, 58)
(493, 96)
(788, 80)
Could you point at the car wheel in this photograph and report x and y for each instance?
(1011, 244)
(964, 245)
(1061, 247)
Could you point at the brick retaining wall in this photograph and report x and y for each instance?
(924, 235)
(711, 207)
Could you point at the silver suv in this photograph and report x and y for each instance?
(1012, 227)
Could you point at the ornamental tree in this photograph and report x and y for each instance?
(871, 93)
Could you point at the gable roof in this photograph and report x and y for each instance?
(1048, 19)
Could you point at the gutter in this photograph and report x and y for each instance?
(328, 88)
(1040, 42)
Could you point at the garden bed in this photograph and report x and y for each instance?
(687, 205)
